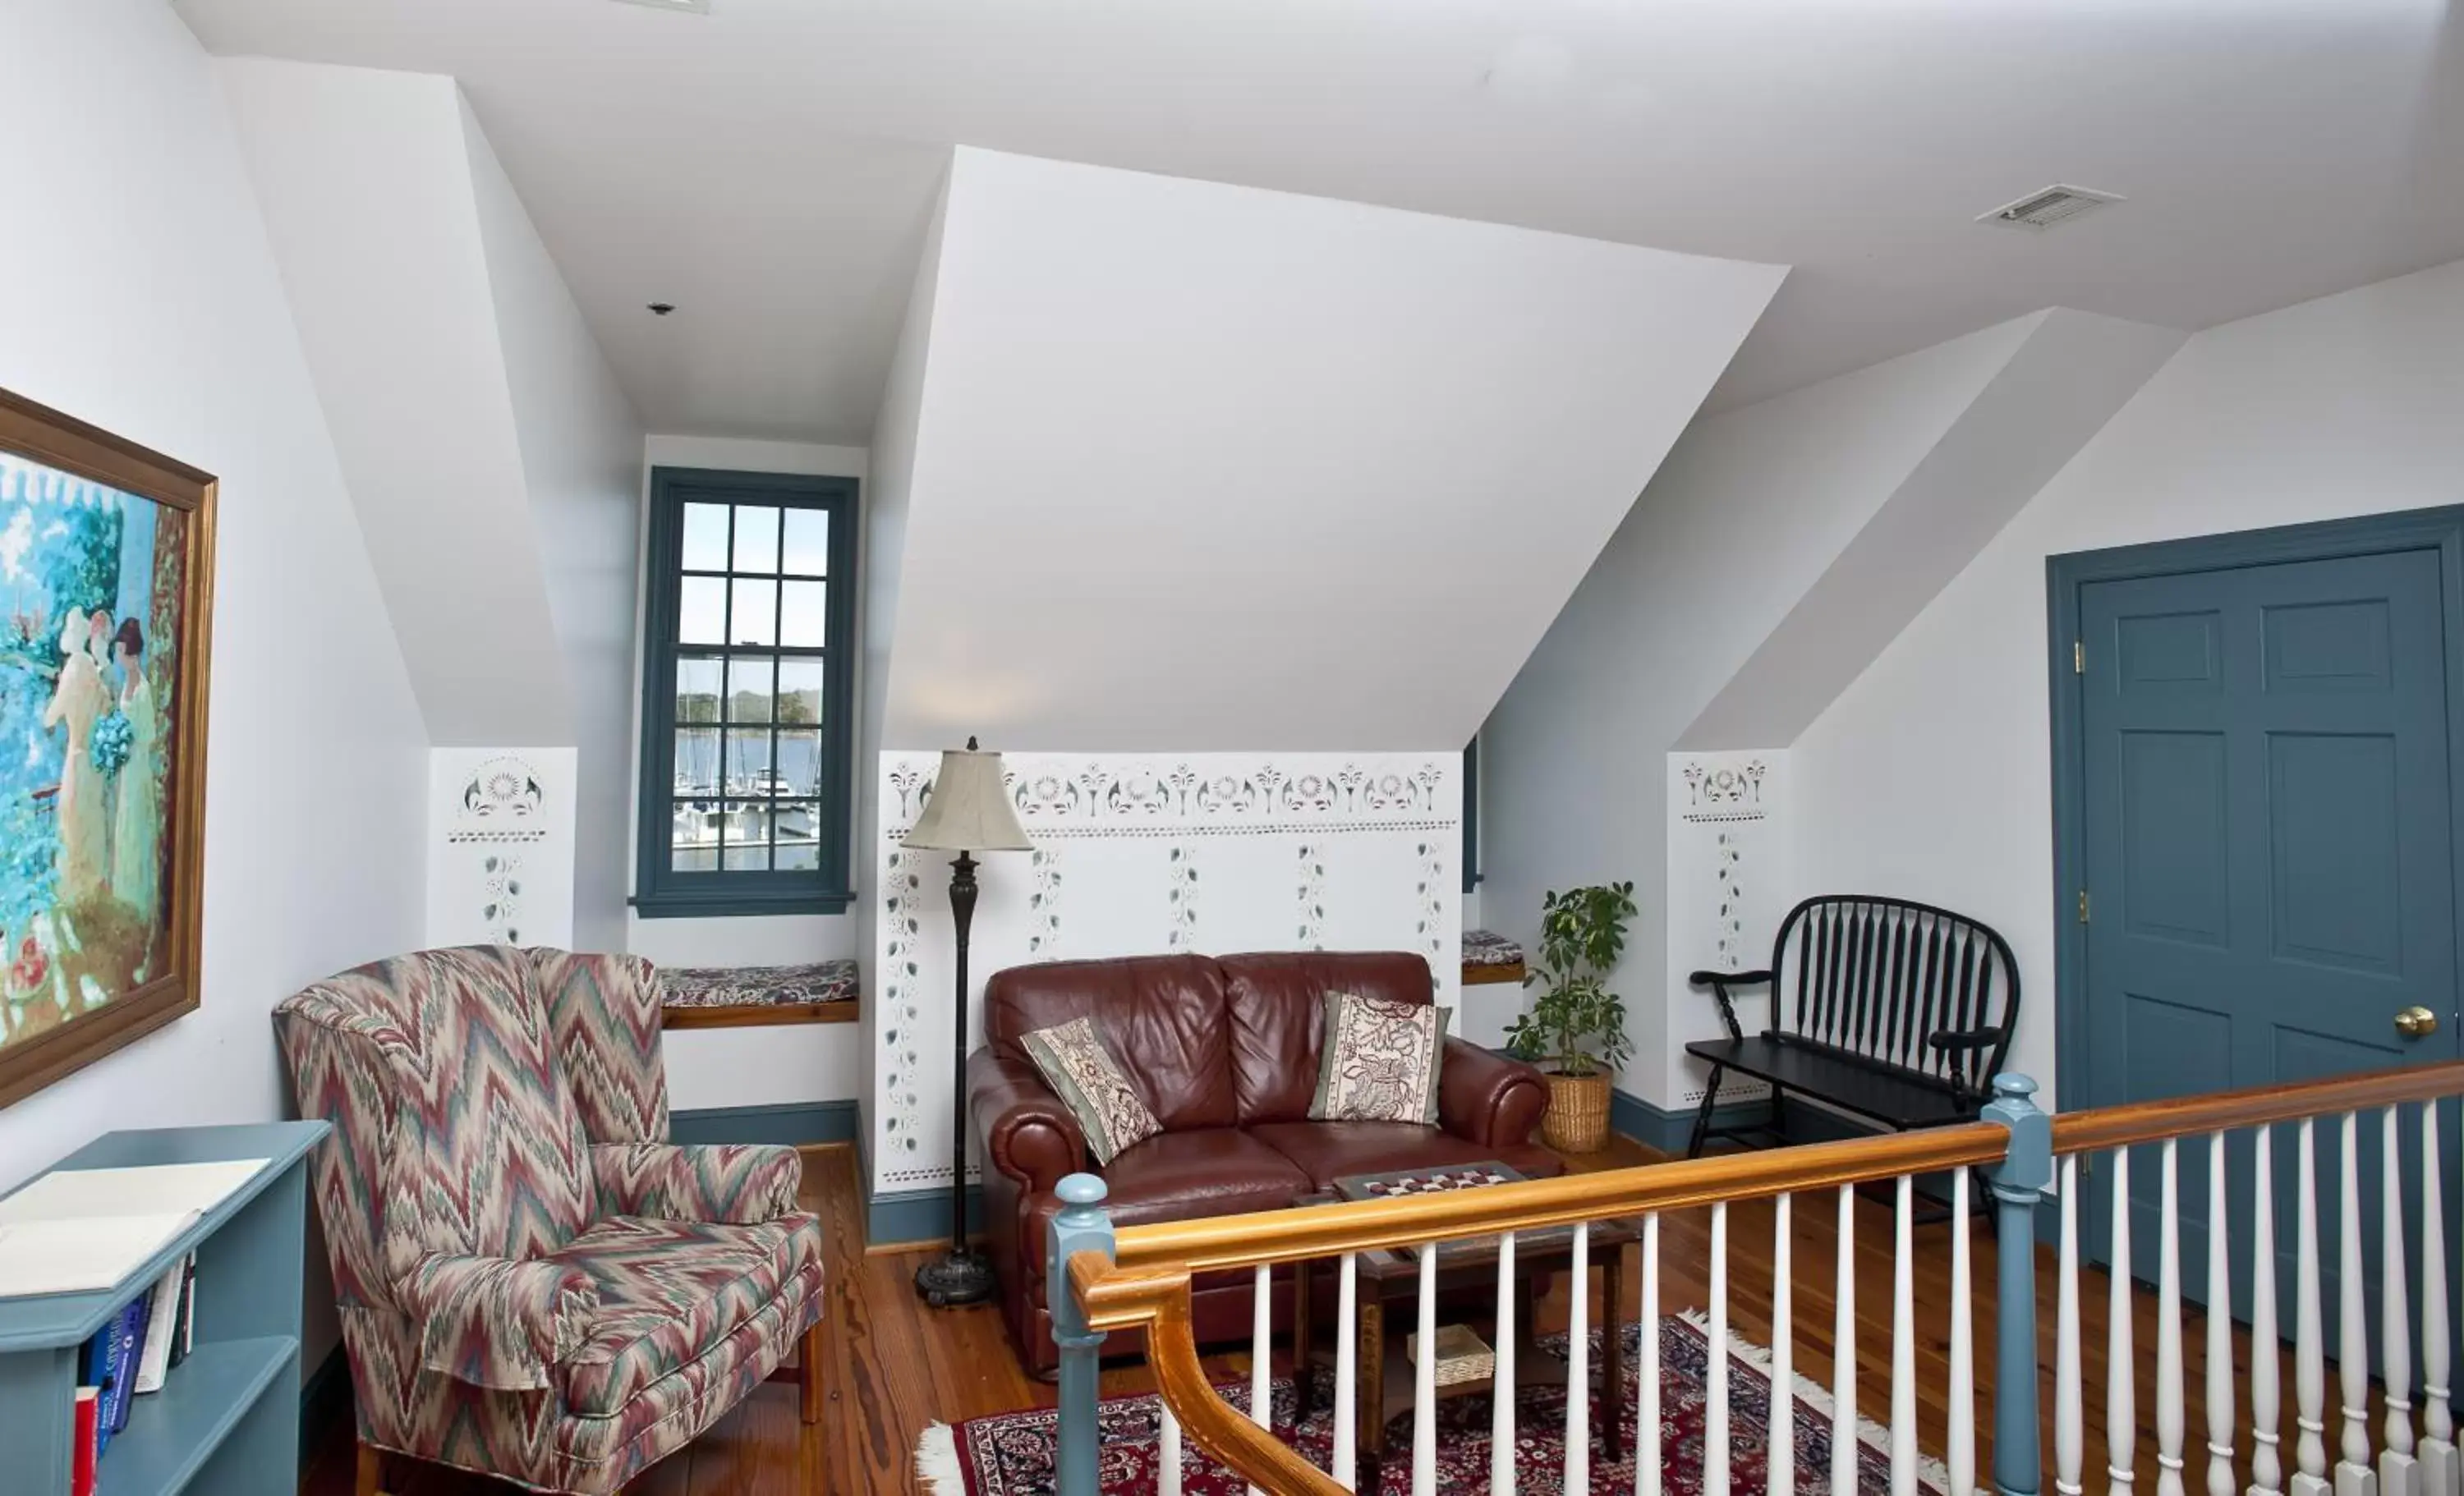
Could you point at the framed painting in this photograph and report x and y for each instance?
(106, 575)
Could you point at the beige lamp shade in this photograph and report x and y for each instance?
(970, 809)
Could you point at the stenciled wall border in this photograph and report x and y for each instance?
(1145, 854)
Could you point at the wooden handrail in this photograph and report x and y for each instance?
(1282, 1236)
(2191, 1117)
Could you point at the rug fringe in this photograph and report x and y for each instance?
(937, 1462)
(1872, 1435)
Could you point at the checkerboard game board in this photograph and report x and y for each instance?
(1385, 1186)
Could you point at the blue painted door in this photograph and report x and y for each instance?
(2270, 867)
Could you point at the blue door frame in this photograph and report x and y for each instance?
(2441, 530)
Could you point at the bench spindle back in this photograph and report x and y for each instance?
(1877, 978)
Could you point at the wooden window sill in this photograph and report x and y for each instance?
(1487, 975)
(760, 1015)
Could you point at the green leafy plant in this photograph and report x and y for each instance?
(1577, 1023)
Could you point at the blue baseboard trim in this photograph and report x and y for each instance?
(792, 1122)
(1656, 1126)
(324, 1400)
(920, 1216)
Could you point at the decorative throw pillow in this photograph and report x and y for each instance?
(1091, 1085)
(1378, 1061)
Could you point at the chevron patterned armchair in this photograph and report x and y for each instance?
(533, 1282)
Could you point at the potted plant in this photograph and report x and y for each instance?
(1577, 1028)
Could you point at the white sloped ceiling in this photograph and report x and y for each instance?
(1203, 467)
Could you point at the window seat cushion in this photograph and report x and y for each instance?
(757, 986)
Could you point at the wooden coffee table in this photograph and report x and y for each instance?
(1467, 1270)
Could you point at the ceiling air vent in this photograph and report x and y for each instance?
(2042, 209)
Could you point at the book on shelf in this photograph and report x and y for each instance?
(85, 1432)
(186, 1314)
(162, 1326)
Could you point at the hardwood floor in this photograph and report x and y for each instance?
(896, 1367)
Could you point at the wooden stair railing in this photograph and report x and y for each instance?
(1138, 1278)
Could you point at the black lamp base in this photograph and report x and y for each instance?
(955, 1279)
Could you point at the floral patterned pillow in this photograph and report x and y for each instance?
(1091, 1085)
(1378, 1061)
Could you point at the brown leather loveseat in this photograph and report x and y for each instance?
(1224, 1051)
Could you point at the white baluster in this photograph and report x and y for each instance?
(2354, 1476)
(1168, 1455)
(1646, 1409)
(1501, 1380)
(1345, 1457)
(2070, 1432)
(2442, 1473)
(1262, 1370)
(2220, 1351)
(2309, 1337)
(1780, 1459)
(1843, 1352)
(1424, 1381)
(2395, 1310)
(2266, 1351)
(1715, 1412)
(2168, 1329)
(1578, 1368)
(1903, 1344)
(1962, 1453)
(2121, 1366)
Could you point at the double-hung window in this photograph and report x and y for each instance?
(748, 655)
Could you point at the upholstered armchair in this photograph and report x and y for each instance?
(533, 1282)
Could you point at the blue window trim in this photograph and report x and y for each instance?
(659, 890)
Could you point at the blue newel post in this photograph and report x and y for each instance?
(2019, 1184)
(1080, 1226)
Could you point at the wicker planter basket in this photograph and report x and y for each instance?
(1577, 1120)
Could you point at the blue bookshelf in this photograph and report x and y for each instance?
(226, 1420)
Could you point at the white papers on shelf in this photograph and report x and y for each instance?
(83, 1230)
(80, 1256)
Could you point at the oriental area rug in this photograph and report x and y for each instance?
(1011, 1454)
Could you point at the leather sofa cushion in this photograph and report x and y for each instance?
(1327, 1150)
(1160, 1016)
(1180, 1177)
(1277, 1008)
(1187, 1175)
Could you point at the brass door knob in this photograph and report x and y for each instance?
(2416, 1023)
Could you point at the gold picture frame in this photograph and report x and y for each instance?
(125, 836)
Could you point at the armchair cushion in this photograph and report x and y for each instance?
(669, 1292)
(721, 1183)
(494, 1321)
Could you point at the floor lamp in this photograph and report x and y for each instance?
(968, 812)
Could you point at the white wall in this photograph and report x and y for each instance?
(1744, 516)
(582, 451)
(1930, 776)
(1211, 468)
(183, 340)
(745, 1067)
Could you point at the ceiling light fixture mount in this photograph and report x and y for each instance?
(689, 7)
(662, 308)
(2047, 206)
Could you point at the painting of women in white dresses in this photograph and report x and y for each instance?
(91, 581)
